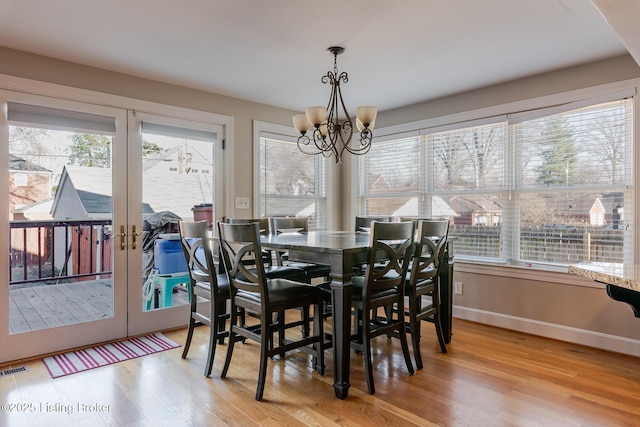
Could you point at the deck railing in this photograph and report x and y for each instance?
(56, 251)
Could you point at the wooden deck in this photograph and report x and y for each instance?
(48, 306)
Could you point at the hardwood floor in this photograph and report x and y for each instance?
(490, 377)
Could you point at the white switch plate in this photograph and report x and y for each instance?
(457, 288)
(242, 203)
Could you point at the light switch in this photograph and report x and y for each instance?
(242, 203)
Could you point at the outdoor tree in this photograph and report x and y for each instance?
(149, 148)
(292, 176)
(481, 146)
(90, 150)
(559, 155)
(610, 134)
(446, 152)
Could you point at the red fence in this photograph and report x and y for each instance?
(53, 251)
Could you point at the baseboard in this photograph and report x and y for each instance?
(550, 330)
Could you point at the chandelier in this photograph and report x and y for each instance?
(331, 129)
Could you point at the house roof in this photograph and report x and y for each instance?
(439, 208)
(18, 164)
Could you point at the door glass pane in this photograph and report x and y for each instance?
(178, 184)
(60, 211)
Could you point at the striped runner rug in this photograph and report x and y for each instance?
(107, 354)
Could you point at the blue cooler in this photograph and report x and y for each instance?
(168, 256)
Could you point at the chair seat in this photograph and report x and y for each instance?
(284, 293)
(284, 272)
(311, 270)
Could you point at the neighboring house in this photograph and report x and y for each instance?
(34, 211)
(476, 209)
(586, 211)
(85, 192)
(28, 183)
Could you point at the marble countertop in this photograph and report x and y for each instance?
(622, 275)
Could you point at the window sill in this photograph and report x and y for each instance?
(525, 273)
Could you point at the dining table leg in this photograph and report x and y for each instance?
(341, 303)
(446, 293)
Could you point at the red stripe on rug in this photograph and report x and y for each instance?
(146, 348)
(107, 354)
(87, 359)
(64, 364)
(124, 349)
(160, 343)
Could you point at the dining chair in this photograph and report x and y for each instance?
(423, 283)
(278, 225)
(253, 292)
(363, 223)
(382, 285)
(206, 284)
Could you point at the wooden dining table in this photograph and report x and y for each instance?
(342, 250)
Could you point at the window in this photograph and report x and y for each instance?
(548, 187)
(290, 183)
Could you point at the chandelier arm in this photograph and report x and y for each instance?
(366, 137)
(304, 145)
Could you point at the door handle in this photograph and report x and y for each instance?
(123, 237)
(134, 237)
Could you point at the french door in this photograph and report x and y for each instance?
(175, 172)
(83, 183)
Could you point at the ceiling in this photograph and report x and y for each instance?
(398, 52)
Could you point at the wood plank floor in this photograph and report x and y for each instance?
(49, 306)
(490, 377)
(39, 307)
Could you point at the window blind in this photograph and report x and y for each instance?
(574, 189)
(543, 188)
(291, 182)
(390, 177)
(59, 119)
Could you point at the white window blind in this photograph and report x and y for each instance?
(574, 187)
(291, 183)
(59, 119)
(552, 188)
(469, 180)
(390, 177)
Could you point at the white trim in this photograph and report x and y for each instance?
(550, 330)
